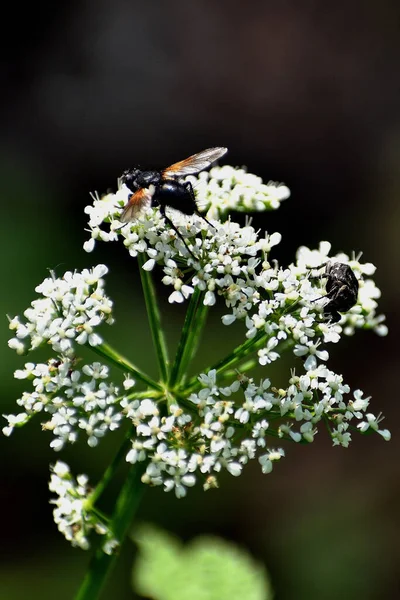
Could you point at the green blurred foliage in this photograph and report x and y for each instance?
(207, 568)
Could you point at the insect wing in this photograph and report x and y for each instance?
(194, 164)
(136, 203)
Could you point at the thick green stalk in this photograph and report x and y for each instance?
(194, 337)
(198, 329)
(154, 320)
(111, 469)
(113, 356)
(189, 332)
(125, 508)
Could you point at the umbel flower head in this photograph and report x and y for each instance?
(69, 310)
(184, 430)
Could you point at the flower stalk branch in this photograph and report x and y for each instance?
(154, 317)
(189, 331)
(113, 356)
(101, 564)
(110, 471)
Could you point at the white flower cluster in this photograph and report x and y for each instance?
(224, 252)
(233, 262)
(72, 513)
(198, 428)
(69, 311)
(177, 446)
(225, 427)
(73, 400)
(224, 189)
(281, 304)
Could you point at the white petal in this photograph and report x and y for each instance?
(149, 265)
(89, 245)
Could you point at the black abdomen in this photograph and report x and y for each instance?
(176, 195)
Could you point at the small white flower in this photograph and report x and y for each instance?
(360, 403)
(373, 423)
(267, 355)
(129, 383)
(266, 460)
(340, 435)
(259, 432)
(310, 348)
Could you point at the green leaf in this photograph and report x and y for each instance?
(208, 568)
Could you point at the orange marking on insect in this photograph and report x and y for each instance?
(135, 205)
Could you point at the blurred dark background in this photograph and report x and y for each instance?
(304, 93)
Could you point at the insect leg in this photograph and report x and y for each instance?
(333, 292)
(204, 219)
(329, 293)
(190, 191)
(168, 220)
(333, 315)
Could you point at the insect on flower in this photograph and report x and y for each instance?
(165, 188)
(341, 289)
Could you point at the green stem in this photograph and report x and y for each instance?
(154, 319)
(113, 356)
(155, 394)
(189, 332)
(195, 335)
(101, 563)
(242, 368)
(111, 469)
